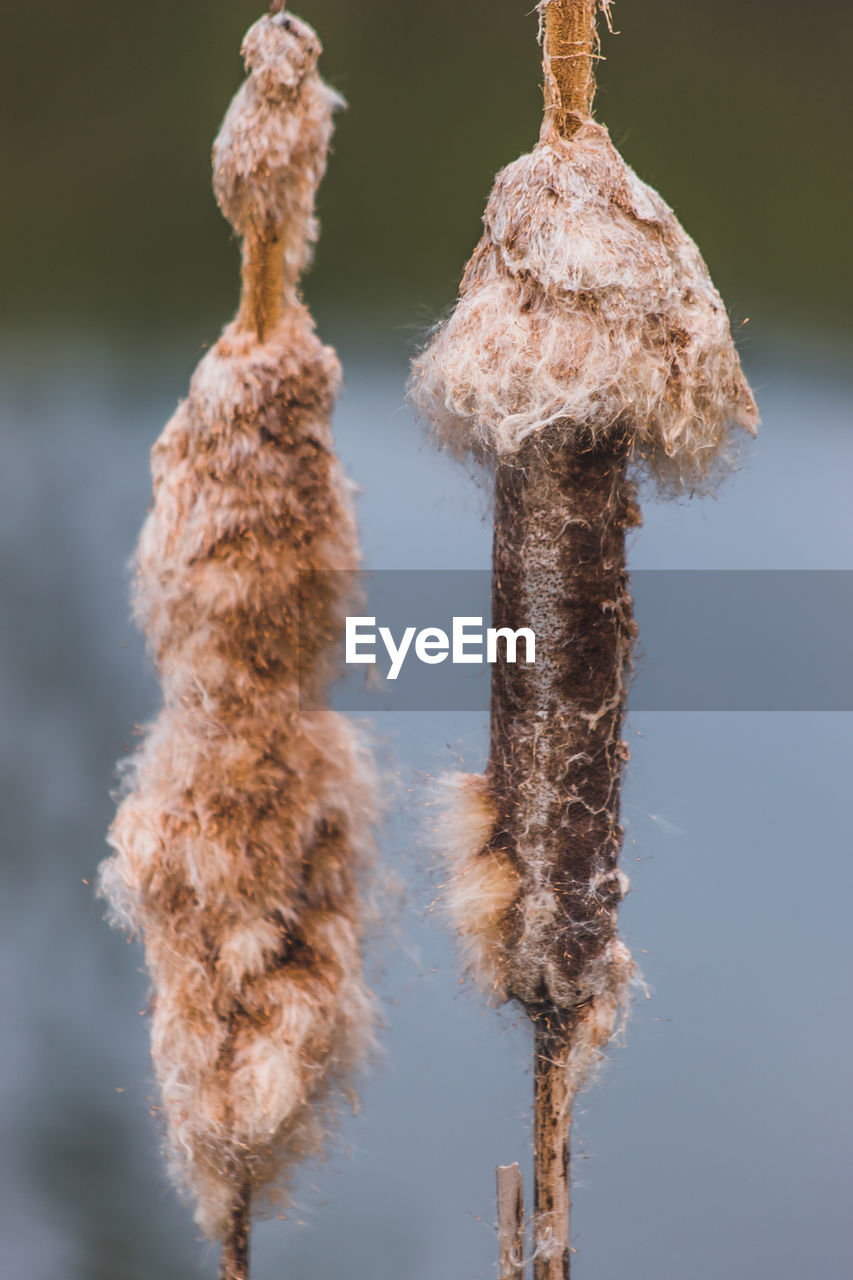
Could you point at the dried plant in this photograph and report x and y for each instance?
(245, 825)
(588, 346)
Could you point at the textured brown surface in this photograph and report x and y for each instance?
(586, 303)
(553, 1095)
(569, 47)
(554, 774)
(262, 302)
(510, 1197)
(556, 752)
(234, 1263)
(245, 827)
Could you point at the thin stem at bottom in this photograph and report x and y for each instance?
(552, 1124)
(235, 1247)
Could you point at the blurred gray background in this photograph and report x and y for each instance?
(719, 1139)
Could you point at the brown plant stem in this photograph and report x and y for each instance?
(234, 1262)
(262, 298)
(510, 1188)
(552, 1152)
(569, 47)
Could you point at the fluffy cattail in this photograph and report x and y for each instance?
(586, 305)
(588, 345)
(246, 819)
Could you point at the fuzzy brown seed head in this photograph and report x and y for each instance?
(245, 828)
(270, 155)
(586, 304)
(279, 51)
(246, 822)
(570, 47)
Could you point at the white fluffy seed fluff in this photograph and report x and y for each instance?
(246, 823)
(586, 304)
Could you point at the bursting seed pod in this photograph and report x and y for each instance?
(246, 820)
(587, 344)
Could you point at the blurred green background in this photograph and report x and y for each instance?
(739, 111)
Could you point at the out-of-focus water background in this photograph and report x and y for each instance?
(719, 1138)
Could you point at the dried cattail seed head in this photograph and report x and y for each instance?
(586, 305)
(245, 829)
(270, 155)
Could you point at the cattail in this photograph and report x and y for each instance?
(588, 346)
(246, 820)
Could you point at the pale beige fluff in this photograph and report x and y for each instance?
(487, 904)
(483, 886)
(271, 151)
(586, 304)
(607, 980)
(246, 823)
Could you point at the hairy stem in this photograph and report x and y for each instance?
(569, 47)
(552, 1152)
(234, 1264)
(262, 298)
(510, 1187)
